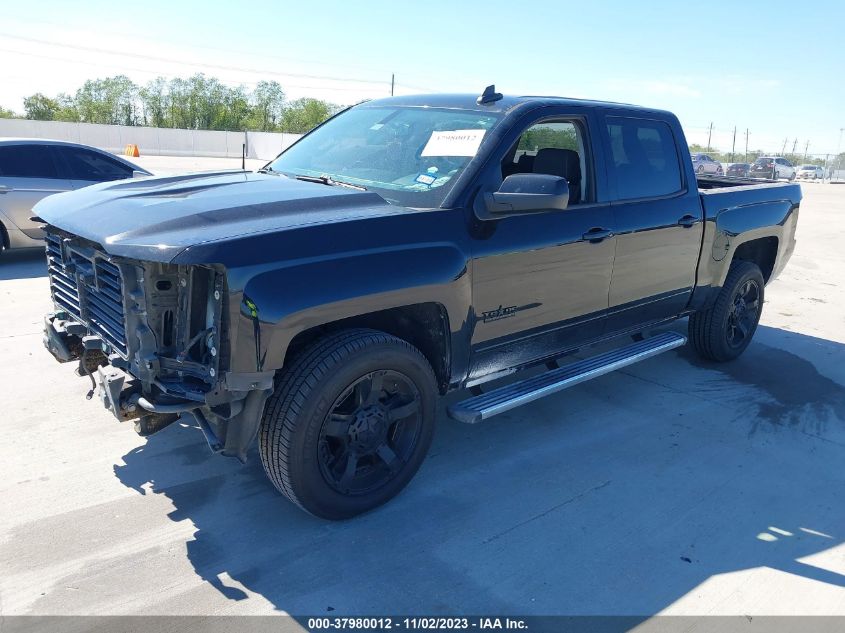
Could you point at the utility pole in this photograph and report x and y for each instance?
(392, 82)
(794, 144)
(806, 148)
(783, 149)
(746, 145)
(709, 134)
(733, 145)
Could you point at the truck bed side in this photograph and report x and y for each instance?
(746, 220)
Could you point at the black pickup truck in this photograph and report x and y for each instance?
(406, 248)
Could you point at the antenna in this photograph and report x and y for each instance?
(489, 95)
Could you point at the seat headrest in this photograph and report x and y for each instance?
(558, 162)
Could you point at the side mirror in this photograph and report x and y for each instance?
(139, 174)
(528, 192)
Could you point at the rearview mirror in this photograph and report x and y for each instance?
(528, 192)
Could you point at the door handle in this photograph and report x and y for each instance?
(597, 234)
(688, 221)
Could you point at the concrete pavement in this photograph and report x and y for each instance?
(674, 486)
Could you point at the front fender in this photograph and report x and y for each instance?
(275, 305)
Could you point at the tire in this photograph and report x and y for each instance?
(349, 423)
(722, 332)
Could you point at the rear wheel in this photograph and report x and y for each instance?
(349, 423)
(723, 332)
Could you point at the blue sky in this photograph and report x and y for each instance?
(774, 67)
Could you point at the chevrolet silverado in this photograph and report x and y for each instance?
(406, 248)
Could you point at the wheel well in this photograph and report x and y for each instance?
(423, 325)
(762, 252)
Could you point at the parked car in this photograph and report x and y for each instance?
(404, 249)
(703, 164)
(772, 167)
(810, 172)
(31, 169)
(738, 170)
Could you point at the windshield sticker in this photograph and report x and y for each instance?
(425, 179)
(453, 143)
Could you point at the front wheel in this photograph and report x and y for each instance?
(349, 423)
(722, 332)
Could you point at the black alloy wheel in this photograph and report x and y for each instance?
(744, 313)
(349, 422)
(724, 330)
(370, 433)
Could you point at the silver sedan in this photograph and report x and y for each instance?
(32, 169)
(703, 164)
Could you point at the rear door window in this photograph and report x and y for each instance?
(26, 161)
(83, 164)
(644, 158)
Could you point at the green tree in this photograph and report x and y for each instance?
(548, 136)
(156, 103)
(113, 100)
(40, 107)
(268, 104)
(8, 114)
(67, 108)
(198, 102)
(235, 111)
(303, 115)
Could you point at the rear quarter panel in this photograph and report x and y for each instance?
(736, 215)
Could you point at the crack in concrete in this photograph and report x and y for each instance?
(580, 495)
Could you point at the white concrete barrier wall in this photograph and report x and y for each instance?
(153, 141)
(267, 145)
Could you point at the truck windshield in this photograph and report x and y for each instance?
(409, 156)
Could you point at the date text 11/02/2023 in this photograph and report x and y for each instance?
(414, 623)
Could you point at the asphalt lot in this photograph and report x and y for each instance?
(671, 487)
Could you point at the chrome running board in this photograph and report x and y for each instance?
(486, 405)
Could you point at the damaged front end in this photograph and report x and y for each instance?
(153, 338)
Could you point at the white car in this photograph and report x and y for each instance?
(810, 172)
(703, 164)
(773, 167)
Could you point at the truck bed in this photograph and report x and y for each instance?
(720, 194)
(719, 182)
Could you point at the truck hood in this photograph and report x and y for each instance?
(157, 218)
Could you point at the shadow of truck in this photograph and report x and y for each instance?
(620, 496)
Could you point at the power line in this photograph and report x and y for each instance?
(159, 74)
(242, 69)
(206, 47)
